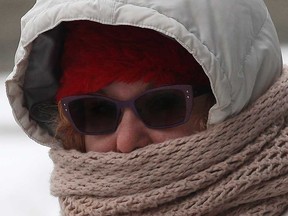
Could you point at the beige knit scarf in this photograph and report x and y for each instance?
(238, 167)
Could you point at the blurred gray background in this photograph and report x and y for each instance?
(12, 10)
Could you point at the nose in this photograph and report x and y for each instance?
(131, 133)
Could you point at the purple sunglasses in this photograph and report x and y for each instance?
(158, 108)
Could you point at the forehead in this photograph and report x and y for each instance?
(125, 91)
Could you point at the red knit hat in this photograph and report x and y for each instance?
(96, 55)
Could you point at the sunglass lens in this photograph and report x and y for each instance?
(93, 115)
(162, 109)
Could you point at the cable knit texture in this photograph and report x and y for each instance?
(238, 167)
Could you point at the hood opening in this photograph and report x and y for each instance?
(42, 77)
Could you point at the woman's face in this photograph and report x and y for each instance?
(132, 133)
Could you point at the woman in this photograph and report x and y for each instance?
(124, 63)
(132, 161)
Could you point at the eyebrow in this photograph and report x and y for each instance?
(101, 91)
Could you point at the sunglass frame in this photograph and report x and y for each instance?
(120, 105)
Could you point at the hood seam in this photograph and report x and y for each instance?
(252, 43)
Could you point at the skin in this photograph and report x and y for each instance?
(132, 133)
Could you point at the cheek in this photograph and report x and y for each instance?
(187, 129)
(196, 124)
(100, 143)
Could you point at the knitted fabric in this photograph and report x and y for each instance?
(238, 167)
(96, 55)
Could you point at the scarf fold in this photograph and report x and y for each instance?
(238, 167)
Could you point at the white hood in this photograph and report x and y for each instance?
(235, 41)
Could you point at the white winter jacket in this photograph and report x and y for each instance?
(234, 40)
